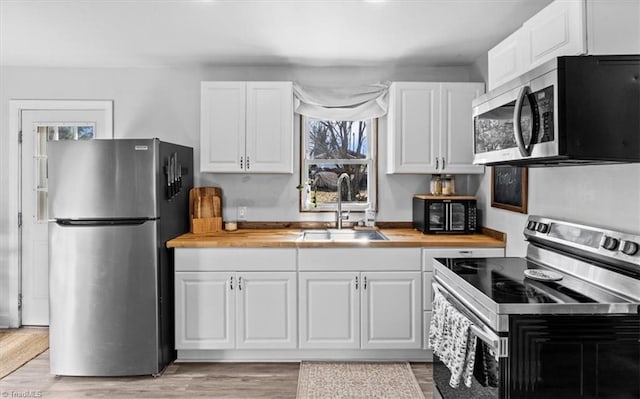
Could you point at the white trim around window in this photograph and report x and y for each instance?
(369, 161)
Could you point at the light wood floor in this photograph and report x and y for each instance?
(180, 380)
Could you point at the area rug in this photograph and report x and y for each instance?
(338, 380)
(18, 346)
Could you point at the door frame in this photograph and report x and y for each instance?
(14, 240)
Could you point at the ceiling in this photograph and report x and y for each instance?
(138, 33)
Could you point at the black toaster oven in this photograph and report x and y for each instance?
(439, 214)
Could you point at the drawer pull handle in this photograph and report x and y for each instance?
(356, 282)
(231, 283)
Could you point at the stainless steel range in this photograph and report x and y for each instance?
(561, 323)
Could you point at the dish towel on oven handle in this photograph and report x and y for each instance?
(451, 339)
(486, 367)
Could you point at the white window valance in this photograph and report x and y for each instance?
(342, 103)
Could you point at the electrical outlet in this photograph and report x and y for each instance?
(242, 213)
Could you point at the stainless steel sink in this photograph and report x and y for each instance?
(342, 235)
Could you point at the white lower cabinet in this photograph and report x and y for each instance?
(205, 310)
(390, 310)
(367, 310)
(243, 310)
(329, 310)
(306, 303)
(266, 310)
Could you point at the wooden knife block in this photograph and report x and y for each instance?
(205, 209)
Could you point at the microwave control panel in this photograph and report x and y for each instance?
(544, 104)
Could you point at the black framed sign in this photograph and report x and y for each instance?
(509, 186)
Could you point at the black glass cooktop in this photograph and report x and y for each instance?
(503, 280)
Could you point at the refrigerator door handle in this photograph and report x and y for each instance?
(98, 222)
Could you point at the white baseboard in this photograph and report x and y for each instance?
(296, 355)
(5, 320)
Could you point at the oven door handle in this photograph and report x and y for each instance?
(499, 345)
(447, 216)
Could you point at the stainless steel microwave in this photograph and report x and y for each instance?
(568, 111)
(437, 214)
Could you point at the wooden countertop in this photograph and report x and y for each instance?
(398, 237)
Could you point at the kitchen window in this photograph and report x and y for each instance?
(331, 148)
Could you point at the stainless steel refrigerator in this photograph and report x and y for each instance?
(113, 204)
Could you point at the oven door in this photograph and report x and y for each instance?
(489, 377)
(436, 217)
(458, 214)
(447, 216)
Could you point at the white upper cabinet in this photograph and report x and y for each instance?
(567, 27)
(556, 30)
(222, 126)
(413, 124)
(456, 141)
(246, 127)
(269, 142)
(507, 59)
(429, 127)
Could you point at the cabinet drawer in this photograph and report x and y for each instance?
(359, 259)
(429, 253)
(235, 259)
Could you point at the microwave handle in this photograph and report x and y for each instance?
(525, 150)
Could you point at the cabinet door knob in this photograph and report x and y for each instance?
(365, 283)
(356, 282)
(241, 162)
(231, 283)
(240, 283)
(248, 164)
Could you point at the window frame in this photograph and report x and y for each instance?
(371, 161)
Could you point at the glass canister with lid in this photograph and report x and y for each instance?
(436, 185)
(448, 185)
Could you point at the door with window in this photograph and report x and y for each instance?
(40, 126)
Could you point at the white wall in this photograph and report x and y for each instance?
(600, 195)
(165, 103)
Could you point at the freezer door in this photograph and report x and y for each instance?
(102, 179)
(103, 299)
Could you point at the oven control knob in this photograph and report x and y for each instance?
(610, 243)
(630, 248)
(542, 228)
(532, 225)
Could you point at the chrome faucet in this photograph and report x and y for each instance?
(339, 217)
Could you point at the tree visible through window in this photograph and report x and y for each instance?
(332, 148)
